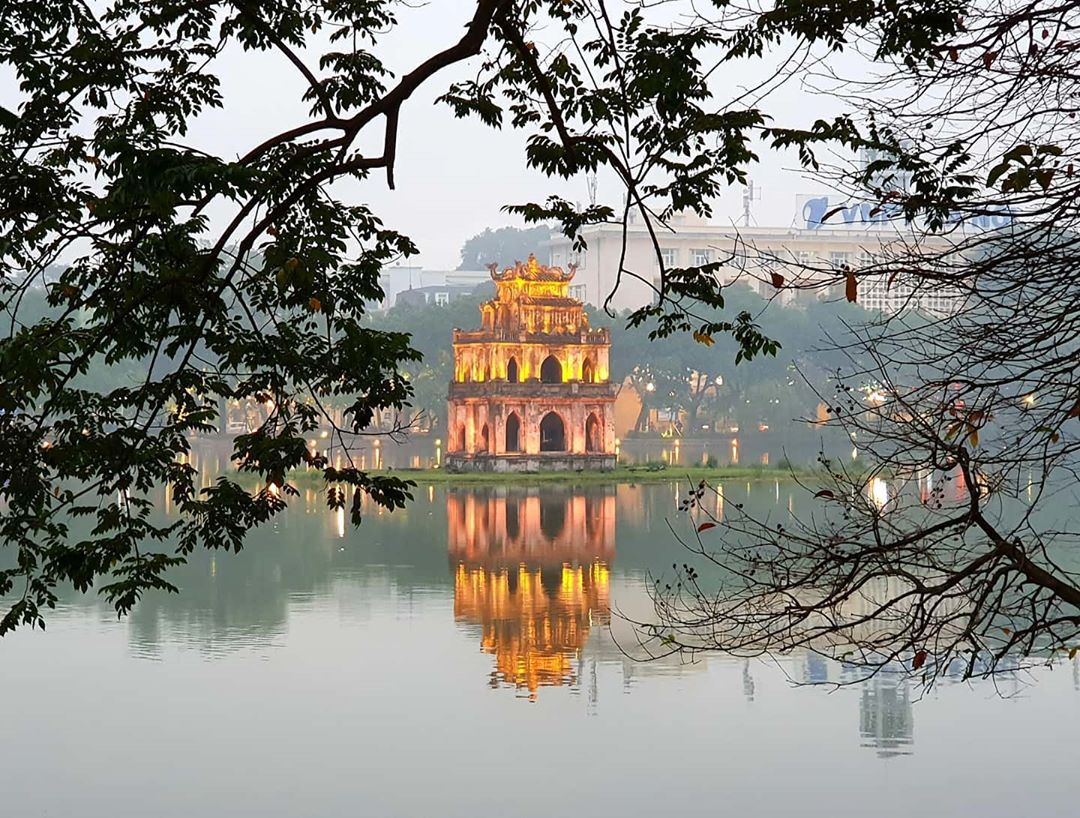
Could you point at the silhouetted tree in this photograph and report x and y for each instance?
(247, 276)
(949, 545)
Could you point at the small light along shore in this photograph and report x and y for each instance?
(620, 474)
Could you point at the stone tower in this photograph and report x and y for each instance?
(531, 389)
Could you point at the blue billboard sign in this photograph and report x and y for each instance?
(822, 211)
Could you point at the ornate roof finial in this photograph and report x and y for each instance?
(531, 270)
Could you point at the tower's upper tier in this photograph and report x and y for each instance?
(533, 298)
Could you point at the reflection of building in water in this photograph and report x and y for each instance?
(885, 717)
(885, 713)
(533, 573)
(505, 528)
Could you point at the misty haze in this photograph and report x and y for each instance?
(404, 404)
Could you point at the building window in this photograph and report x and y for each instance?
(593, 440)
(670, 257)
(552, 435)
(551, 370)
(840, 260)
(513, 433)
(806, 258)
(442, 299)
(702, 256)
(588, 375)
(578, 291)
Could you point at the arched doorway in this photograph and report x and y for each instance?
(485, 439)
(552, 433)
(587, 374)
(513, 433)
(512, 371)
(459, 438)
(593, 438)
(551, 370)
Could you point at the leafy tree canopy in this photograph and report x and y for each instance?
(504, 246)
(246, 276)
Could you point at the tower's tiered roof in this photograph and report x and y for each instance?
(533, 298)
(532, 270)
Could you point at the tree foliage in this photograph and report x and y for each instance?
(224, 277)
(504, 246)
(430, 328)
(952, 550)
(221, 277)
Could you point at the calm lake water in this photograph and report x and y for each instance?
(459, 659)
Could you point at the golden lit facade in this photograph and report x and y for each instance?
(534, 574)
(531, 389)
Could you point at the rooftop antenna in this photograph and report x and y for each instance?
(750, 195)
(590, 180)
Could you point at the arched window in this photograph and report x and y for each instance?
(552, 433)
(459, 438)
(594, 441)
(485, 441)
(512, 371)
(513, 433)
(587, 374)
(551, 370)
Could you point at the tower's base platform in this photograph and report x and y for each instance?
(529, 463)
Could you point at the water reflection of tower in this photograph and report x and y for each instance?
(532, 571)
(885, 717)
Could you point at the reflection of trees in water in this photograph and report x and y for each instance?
(229, 602)
(239, 601)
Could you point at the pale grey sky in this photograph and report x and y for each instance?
(453, 176)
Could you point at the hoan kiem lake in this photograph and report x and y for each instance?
(469, 656)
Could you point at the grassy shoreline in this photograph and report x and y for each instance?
(622, 474)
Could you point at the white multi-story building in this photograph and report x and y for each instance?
(438, 286)
(826, 237)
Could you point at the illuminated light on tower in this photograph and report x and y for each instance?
(531, 389)
(534, 574)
